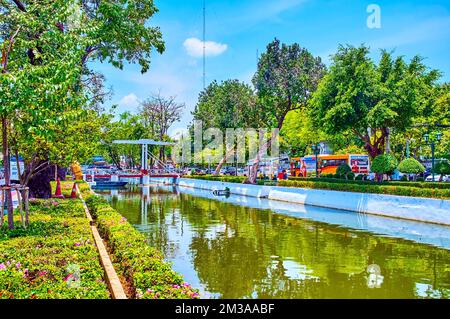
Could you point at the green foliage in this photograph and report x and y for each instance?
(371, 188)
(357, 95)
(226, 178)
(358, 181)
(443, 168)
(411, 166)
(285, 79)
(148, 275)
(35, 262)
(384, 164)
(344, 170)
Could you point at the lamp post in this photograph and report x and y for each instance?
(432, 143)
(316, 150)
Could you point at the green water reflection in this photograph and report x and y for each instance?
(230, 251)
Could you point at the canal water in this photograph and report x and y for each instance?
(241, 247)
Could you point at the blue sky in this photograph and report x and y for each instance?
(237, 30)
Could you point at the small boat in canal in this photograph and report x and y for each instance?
(107, 184)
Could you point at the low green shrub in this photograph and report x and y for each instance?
(220, 178)
(384, 164)
(411, 166)
(143, 267)
(368, 188)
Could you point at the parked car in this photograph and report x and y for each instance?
(437, 178)
(228, 171)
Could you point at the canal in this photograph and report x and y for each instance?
(241, 247)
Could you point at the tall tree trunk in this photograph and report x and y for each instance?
(7, 172)
(39, 183)
(253, 173)
(388, 140)
(219, 166)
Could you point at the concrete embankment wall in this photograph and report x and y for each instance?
(412, 208)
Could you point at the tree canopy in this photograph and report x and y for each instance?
(369, 100)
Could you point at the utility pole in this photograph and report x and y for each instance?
(204, 44)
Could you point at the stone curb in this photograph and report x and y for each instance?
(113, 281)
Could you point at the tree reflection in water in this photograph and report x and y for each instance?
(232, 251)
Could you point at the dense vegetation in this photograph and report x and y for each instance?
(41, 262)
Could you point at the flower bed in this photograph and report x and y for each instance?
(54, 258)
(147, 274)
(371, 188)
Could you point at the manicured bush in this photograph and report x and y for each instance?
(384, 164)
(142, 266)
(418, 184)
(40, 261)
(343, 170)
(370, 188)
(411, 166)
(220, 178)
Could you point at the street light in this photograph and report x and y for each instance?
(432, 143)
(316, 150)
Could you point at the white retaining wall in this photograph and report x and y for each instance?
(411, 208)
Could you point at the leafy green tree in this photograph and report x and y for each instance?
(411, 166)
(443, 168)
(344, 170)
(227, 105)
(45, 61)
(127, 127)
(384, 164)
(368, 100)
(285, 80)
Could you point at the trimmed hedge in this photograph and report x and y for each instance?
(220, 178)
(437, 185)
(40, 262)
(368, 188)
(143, 267)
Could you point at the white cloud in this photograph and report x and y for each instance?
(194, 47)
(129, 101)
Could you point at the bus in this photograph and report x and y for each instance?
(328, 164)
(271, 166)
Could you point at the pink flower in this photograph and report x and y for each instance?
(18, 265)
(2, 266)
(176, 286)
(194, 295)
(8, 263)
(77, 244)
(185, 284)
(150, 291)
(68, 277)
